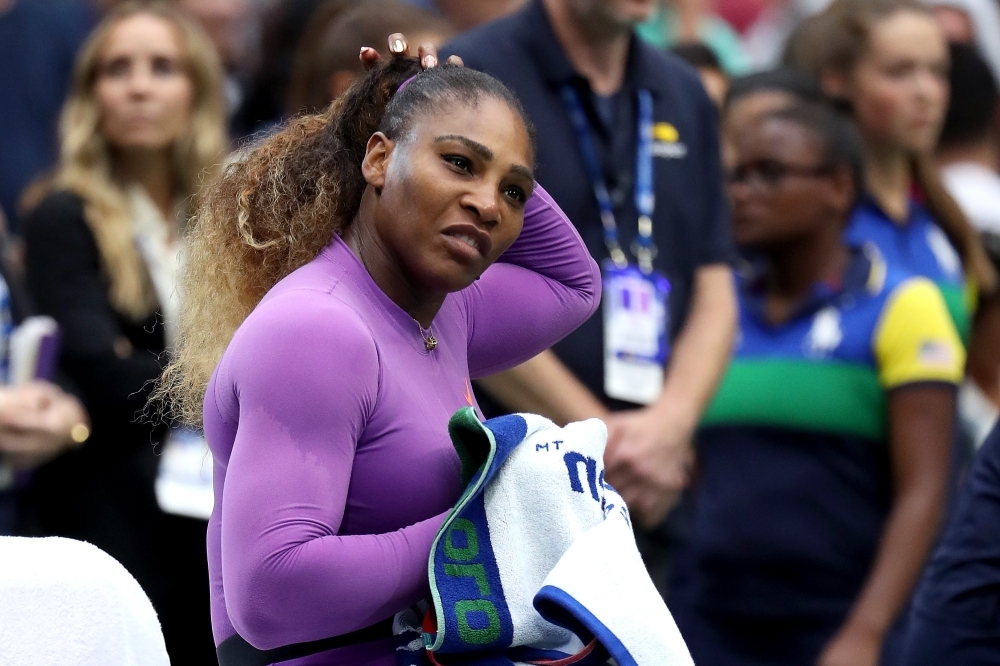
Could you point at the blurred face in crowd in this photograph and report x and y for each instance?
(900, 87)
(452, 192)
(746, 110)
(142, 87)
(613, 13)
(782, 192)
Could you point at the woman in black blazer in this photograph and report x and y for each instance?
(141, 130)
(102, 492)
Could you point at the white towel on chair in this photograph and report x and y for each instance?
(68, 603)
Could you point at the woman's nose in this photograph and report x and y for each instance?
(929, 86)
(486, 205)
(739, 191)
(140, 82)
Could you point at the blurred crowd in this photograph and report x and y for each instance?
(838, 162)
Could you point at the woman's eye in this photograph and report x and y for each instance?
(164, 66)
(459, 162)
(516, 194)
(117, 67)
(900, 70)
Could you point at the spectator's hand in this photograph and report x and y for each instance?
(399, 48)
(852, 647)
(38, 421)
(648, 460)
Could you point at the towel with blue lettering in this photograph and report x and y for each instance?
(537, 561)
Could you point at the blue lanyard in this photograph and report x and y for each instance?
(645, 199)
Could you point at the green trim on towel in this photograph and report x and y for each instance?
(465, 429)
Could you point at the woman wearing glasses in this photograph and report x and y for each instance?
(823, 460)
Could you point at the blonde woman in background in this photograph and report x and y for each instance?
(887, 60)
(142, 129)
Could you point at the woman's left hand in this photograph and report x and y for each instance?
(399, 48)
(852, 647)
(38, 421)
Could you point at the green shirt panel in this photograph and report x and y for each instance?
(795, 393)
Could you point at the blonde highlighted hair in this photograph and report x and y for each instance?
(85, 165)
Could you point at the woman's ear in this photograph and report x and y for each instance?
(376, 160)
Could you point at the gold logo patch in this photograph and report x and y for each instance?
(666, 132)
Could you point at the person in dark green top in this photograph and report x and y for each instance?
(822, 464)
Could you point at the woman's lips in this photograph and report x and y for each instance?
(469, 238)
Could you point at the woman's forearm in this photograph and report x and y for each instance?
(704, 347)
(325, 585)
(543, 287)
(908, 536)
(550, 246)
(920, 427)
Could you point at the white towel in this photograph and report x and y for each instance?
(537, 526)
(601, 584)
(68, 603)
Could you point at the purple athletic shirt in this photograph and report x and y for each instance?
(327, 418)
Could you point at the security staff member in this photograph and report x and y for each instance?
(628, 146)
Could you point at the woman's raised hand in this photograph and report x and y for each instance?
(399, 48)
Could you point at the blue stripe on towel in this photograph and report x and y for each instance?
(560, 608)
(468, 582)
(465, 583)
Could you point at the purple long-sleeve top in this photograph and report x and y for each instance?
(327, 419)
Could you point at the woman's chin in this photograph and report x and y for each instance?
(452, 274)
(456, 280)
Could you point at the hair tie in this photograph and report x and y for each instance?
(404, 84)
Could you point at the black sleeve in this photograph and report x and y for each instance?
(716, 235)
(65, 282)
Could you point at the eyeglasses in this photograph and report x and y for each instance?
(772, 172)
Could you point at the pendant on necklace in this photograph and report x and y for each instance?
(430, 342)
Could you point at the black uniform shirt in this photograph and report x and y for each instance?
(691, 219)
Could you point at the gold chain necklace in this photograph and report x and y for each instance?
(430, 342)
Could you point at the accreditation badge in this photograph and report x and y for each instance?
(635, 333)
(184, 478)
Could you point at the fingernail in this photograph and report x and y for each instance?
(430, 61)
(397, 46)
